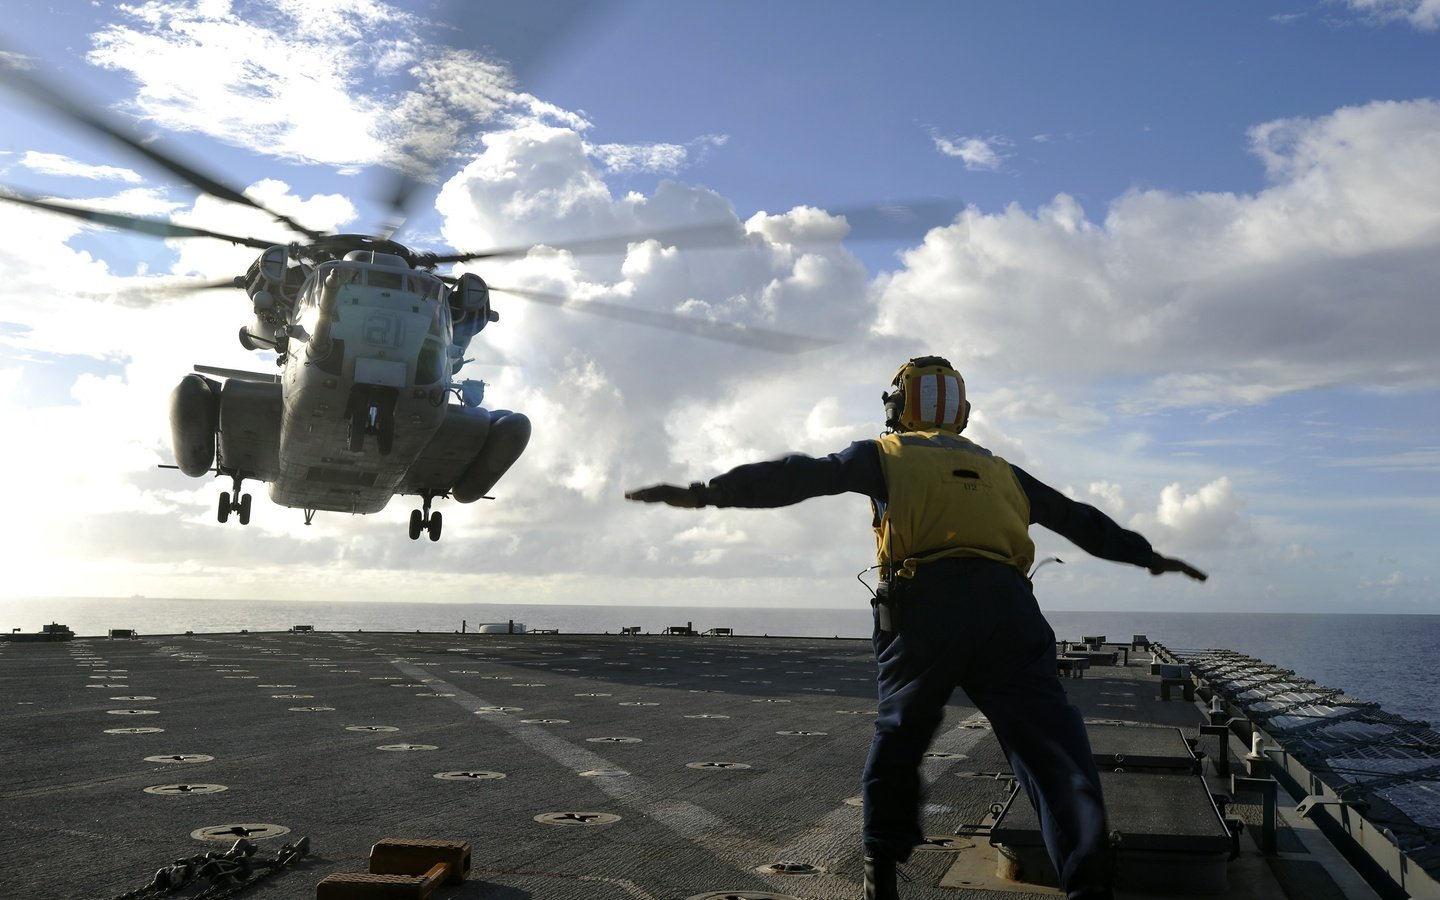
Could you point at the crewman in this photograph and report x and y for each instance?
(954, 607)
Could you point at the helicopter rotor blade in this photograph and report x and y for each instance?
(28, 84)
(524, 39)
(146, 290)
(726, 332)
(907, 220)
(162, 228)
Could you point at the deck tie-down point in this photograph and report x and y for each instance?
(401, 869)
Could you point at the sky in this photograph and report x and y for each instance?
(1187, 265)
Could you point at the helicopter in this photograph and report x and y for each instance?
(368, 344)
(369, 340)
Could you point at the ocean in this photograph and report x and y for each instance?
(1386, 659)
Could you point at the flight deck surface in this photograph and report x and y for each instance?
(596, 766)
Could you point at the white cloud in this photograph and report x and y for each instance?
(359, 68)
(56, 164)
(632, 158)
(1321, 278)
(977, 153)
(667, 159)
(1209, 519)
(1422, 14)
(1107, 497)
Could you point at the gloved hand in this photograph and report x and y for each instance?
(1159, 565)
(670, 495)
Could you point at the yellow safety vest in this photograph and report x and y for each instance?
(949, 497)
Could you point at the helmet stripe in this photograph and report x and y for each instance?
(931, 394)
(951, 399)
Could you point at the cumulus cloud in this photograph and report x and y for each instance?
(1208, 298)
(1210, 518)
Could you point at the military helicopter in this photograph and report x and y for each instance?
(368, 344)
(369, 340)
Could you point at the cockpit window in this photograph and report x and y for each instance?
(427, 286)
(382, 279)
(430, 365)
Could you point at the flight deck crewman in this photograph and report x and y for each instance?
(955, 608)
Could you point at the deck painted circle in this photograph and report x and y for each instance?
(253, 831)
(577, 819)
(179, 790)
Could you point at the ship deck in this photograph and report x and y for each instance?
(595, 766)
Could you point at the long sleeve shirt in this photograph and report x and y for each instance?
(856, 469)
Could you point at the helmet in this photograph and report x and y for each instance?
(928, 395)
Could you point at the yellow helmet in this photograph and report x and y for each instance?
(928, 395)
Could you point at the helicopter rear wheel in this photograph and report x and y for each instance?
(434, 526)
(417, 524)
(244, 509)
(222, 513)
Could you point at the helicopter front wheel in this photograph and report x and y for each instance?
(236, 503)
(426, 521)
(225, 508)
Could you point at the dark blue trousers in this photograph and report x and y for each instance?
(974, 624)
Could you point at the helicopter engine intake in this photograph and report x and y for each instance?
(470, 308)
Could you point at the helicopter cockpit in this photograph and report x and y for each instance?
(387, 313)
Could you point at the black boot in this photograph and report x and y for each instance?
(880, 878)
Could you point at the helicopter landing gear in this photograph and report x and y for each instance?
(425, 520)
(241, 505)
(372, 411)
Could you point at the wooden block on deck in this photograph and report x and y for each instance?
(412, 856)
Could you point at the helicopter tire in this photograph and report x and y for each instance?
(245, 509)
(222, 512)
(436, 520)
(417, 524)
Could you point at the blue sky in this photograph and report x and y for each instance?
(1190, 280)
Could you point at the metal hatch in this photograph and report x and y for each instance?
(1168, 830)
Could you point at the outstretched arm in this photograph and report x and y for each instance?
(779, 482)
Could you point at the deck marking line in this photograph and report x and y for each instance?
(690, 821)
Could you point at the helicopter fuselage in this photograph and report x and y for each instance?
(365, 384)
(361, 409)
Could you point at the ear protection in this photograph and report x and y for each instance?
(928, 395)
